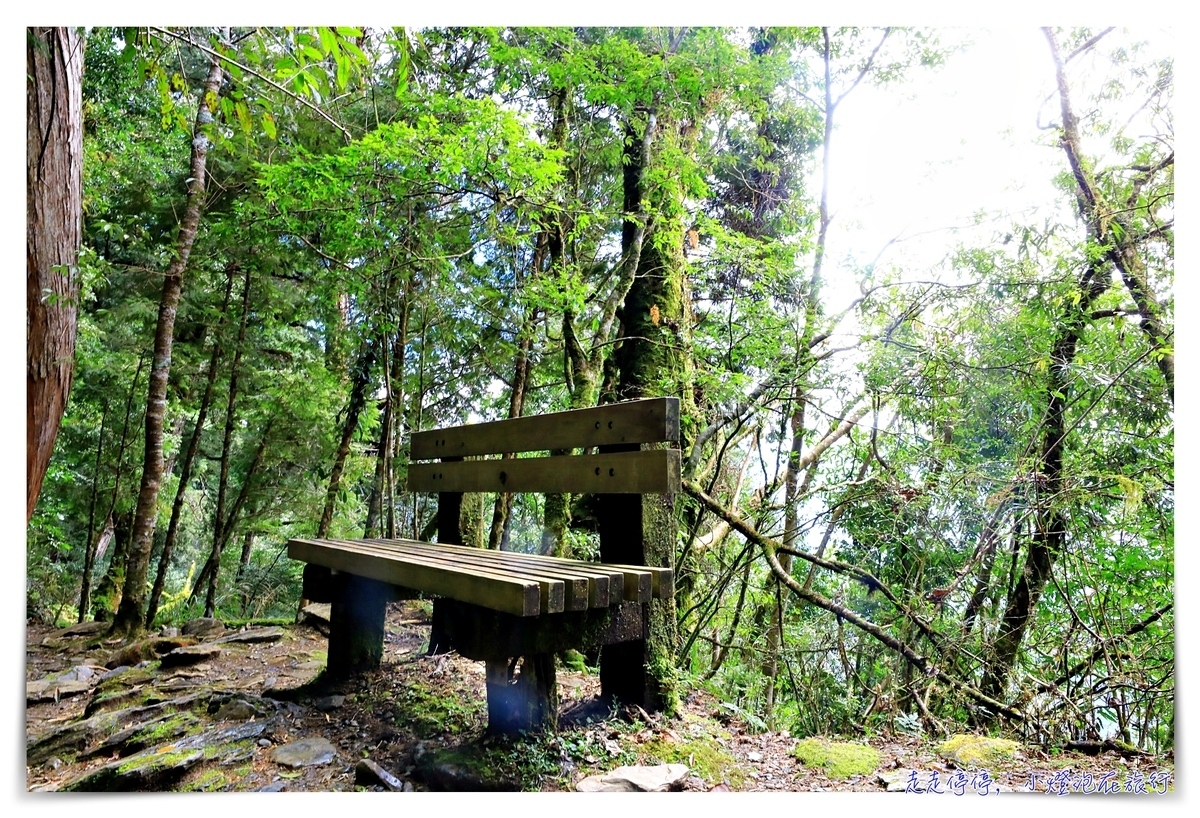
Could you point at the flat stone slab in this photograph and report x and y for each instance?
(368, 773)
(659, 778)
(203, 627)
(251, 636)
(307, 752)
(53, 689)
(190, 655)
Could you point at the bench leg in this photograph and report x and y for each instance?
(530, 702)
(356, 625)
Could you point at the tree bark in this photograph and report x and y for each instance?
(219, 521)
(358, 400)
(89, 549)
(130, 615)
(185, 469)
(54, 228)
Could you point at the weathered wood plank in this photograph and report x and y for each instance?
(615, 577)
(662, 579)
(585, 587)
(642, 421)
(553, 589)
(515, 596)
(649, 472)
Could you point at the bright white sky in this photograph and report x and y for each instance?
(907, 160)
(916, 158)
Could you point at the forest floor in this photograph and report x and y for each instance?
(226, 715)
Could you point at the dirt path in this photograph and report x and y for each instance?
(224, 721)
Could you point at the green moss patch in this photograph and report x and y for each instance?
(427, 713)
(701, 750)
(837, 759)
(967, 750)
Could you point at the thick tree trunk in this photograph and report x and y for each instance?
(649, 361)
(54, 225)
(130, 615)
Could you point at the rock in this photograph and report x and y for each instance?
(457, 770)
(264, 742)
(754, 756)
(53, 689)
(252, 636)
(327, 703)
(160, 767)
(318, 611)
(78, 673)
(306, 752)
(72, 737)
(190, 655)
(277, 786)
(966, 750)
(146, 649)
(204, 627)
(54, 763)
(169, 631)
(367, 773)
(116, 671)
(837, 759)
(237, 710)
(659, 778)
(157, 730)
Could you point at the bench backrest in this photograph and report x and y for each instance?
(615, 430)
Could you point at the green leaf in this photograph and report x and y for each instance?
(268, 122)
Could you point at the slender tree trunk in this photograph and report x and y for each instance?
(130, 618)
(54, 227)
(109, 577)
(1111, 225)
(185, 469)
(497, 534)
(358, 400)
(391, 404)
(89, 550)
(207, 574)
(214, 557)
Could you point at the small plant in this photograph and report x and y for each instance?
(908, 723)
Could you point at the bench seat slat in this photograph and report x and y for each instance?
(652, 420)
(520, 597)
(641, 582)
(552, 589)
(585, 587)
(650, 472)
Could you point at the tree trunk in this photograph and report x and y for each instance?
(358, 399)
(130, 615)
(54, 225)
(185, 469)
(89, 549)
(219, 522)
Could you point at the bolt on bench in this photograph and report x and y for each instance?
(510, 610)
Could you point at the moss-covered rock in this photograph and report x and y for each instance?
(700, 748)
(837, 759)
(967, 750)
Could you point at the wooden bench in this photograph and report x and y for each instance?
(510, 610)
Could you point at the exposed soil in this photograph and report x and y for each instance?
(401, 716)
